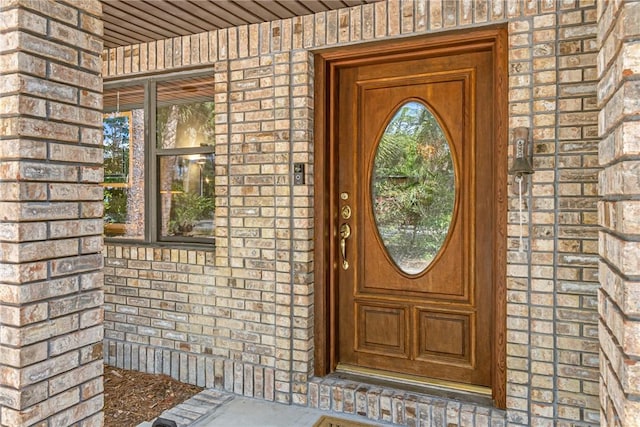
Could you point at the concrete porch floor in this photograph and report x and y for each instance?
(212, 408)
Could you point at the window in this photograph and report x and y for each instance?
(159, 159)
(124, 181)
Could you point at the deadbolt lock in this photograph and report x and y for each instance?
(346, 212)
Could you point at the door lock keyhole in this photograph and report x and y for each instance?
(346, 212)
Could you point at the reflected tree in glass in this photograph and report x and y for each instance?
(186, 181)
(413, 187)
(116, 141)
(191, 200)
(116, 130)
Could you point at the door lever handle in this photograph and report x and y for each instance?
(345, 232)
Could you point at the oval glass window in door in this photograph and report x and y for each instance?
(413, 188)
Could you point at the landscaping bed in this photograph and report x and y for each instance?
(131, 397)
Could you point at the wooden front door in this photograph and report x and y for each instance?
(415, 160)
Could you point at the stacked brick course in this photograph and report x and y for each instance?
(553, 346)
(50, 213)
(257, 291)
(576, 258)
(619, 211)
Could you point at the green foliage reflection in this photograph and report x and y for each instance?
(413, 187)
(115, 205)
(116, 138)
(186, 180)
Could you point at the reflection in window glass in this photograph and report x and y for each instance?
(116, 140)
(185, 123)
(185, 113)
(123, 143)
(166, 178)
(115, 211)
(413, 188)
(186, 195)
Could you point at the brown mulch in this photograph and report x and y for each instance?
(132, 397)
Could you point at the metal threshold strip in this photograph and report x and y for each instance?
(443, 388)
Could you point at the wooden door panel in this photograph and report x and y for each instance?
(446, 323)
(433, 324)
(382, 329)
(444, 336)
(450, 276)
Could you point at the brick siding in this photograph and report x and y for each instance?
(619, 210)
(51, 295)
(252, 329)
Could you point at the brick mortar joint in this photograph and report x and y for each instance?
(603, 103)
(66, 45)
(613, 21)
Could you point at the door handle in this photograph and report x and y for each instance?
(345, 232)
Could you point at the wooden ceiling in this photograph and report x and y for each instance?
(129, 22)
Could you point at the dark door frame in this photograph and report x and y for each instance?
(327, 64)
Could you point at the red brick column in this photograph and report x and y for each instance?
(50, 213)
(619, 212)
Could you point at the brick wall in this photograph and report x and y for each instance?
(553, 346)
(50, 213)
(260, 280)
(576, 254)
(619, 211)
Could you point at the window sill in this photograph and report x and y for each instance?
(200, 246)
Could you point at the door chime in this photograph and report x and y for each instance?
(521, 168)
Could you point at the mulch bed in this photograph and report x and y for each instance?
(132, 397)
